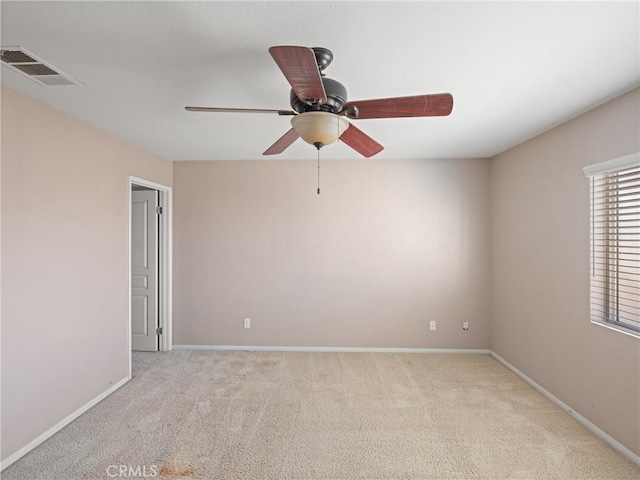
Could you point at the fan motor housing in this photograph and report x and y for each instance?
(336, 98)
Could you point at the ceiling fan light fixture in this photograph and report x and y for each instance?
(322, 128)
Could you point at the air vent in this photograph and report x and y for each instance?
(26, 63)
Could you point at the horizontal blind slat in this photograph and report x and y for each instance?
(601, 311)
(623, 291)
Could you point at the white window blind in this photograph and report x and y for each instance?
(615, 243)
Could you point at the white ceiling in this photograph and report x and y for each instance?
(515, 69)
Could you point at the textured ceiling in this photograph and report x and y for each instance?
(515, 69)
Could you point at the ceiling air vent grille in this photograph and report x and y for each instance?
(26, 63)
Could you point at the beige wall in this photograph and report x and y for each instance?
(64, 263)
(386, 247)
(540, 251)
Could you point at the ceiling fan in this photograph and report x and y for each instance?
(321, 113)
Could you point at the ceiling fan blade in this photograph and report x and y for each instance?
(435, 105)
(282, 143)
(301, 71)
(239, 110)
(360, 142)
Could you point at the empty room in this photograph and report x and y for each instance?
(320, 240)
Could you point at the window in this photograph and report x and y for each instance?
(615, 243)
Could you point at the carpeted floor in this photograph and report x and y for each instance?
(275, 415)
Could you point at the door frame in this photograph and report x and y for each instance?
(165, 255)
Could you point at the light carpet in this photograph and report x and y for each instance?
(280, 415)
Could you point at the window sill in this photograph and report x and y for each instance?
(624, 331)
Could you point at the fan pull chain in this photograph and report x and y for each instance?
(318, 171)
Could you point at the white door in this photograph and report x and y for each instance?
(144, 270)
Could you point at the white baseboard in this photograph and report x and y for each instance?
(61, 424)
(254, 348)
(594, 429)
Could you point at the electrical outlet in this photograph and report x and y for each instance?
(432, 325)
(247, 323)
(465, 325)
